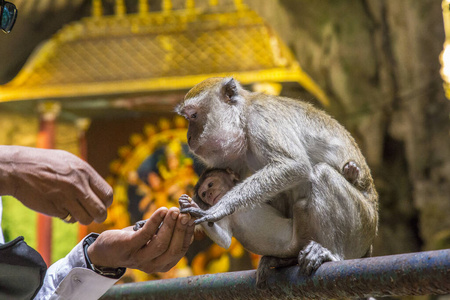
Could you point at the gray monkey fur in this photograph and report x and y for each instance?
(295, 154)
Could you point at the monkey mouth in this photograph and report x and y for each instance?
(214, 201)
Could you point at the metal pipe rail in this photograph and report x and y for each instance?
(422, 273)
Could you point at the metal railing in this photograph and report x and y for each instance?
(422, 273)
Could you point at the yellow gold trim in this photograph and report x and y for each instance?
(160, 84)
(155, 52)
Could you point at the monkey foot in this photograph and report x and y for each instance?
(313, 256)
(350, 171)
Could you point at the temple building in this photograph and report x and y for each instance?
(105, 87)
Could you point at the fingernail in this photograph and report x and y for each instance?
(184, 219)
(175, 215)
(163, 214)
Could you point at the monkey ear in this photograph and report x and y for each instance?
(230, 90)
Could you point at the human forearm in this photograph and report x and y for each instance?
(7, 173)
(54, 182)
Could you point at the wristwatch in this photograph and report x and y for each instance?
(114, 273)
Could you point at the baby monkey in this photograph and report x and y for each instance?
(262, 229)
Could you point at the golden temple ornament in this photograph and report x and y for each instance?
(151, 52)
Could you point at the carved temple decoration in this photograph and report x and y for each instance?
(156, 51)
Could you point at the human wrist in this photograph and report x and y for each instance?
(88, 246)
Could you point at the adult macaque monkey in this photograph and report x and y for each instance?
(298, 156)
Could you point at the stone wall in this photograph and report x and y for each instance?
(379, 63)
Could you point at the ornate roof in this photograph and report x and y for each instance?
(146, 52)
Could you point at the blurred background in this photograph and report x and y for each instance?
(101, 78)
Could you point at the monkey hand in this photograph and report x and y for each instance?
(185, 201)
(193, 210)
(214, 214)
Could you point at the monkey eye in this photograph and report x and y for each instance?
(210, 184)
(203, 194)
(194, 116)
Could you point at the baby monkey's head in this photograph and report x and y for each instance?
(212, 185)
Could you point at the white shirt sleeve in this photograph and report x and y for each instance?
(68, 278)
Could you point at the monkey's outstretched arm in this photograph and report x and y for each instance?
(258, 188)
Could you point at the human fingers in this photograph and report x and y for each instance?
(93, 205)
(179, 243)
(189, 236)
(77, 211)
(100, 187)
(94, 194)
(147, 232)
(161, 241)
(130, 228)
(100, 195)
(80, 171)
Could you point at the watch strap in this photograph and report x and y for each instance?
(114, 273)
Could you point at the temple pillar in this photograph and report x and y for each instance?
(48, 112)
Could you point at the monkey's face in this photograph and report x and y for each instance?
(215, 186)
(213, 109)
(197, 115)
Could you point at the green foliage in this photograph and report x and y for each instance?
(19, 220)
(64, 238)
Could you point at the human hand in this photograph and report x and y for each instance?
(144, 249)
(55, 183)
